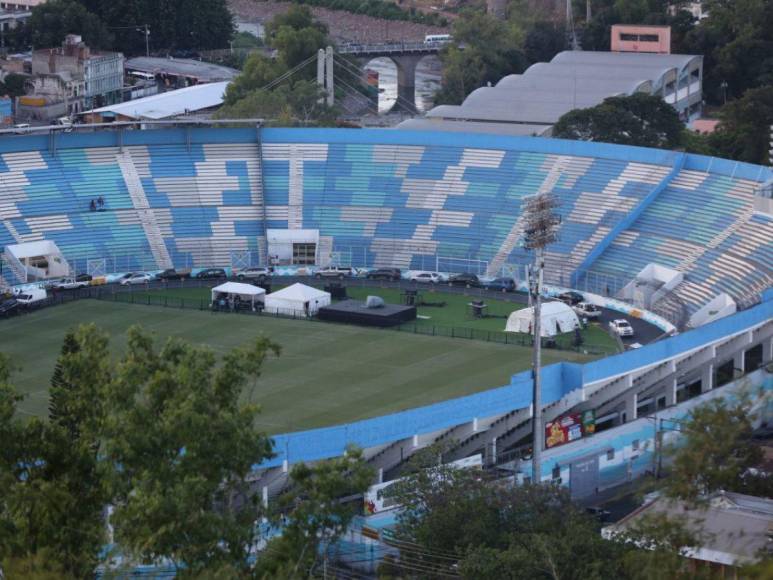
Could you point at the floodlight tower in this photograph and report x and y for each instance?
(541, 222)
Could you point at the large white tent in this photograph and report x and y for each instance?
(297, 300)
(246, 292)
(555, 317)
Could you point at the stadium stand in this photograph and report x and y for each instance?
(196, 197)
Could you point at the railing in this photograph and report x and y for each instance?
(144, 297)
(391, 47)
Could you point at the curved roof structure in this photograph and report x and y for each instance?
(572, 80)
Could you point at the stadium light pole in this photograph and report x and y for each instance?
(540, 230)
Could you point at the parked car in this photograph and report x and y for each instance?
(123, 277)
(137, 278)
(622, 327)
(8, 306)
(172, 274)
(500, 284)
(587, 310)
(426, 277)
(339, 272)
(211, 273)
(571, 297)
(464, 280)
(259, 274)
(83, 277)
(68, 284)
(393, 274)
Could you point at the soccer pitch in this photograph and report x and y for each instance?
(327, 373)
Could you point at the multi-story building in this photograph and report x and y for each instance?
(101, 72)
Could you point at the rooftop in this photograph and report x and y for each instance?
(736, 528)
(202, 71)
(171, 103)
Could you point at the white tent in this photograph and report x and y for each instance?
(555, 317)
(245, 292)
(297, 300)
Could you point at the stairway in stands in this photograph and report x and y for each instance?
(145, 214)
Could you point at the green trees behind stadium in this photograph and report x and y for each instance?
(163, 435)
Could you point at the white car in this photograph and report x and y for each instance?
(339, 272)
(622, 327)
(138, 278)
(426, 277)
(69, 284)
(587, 310)
(253, 274)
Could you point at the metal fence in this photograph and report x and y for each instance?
(144, 296)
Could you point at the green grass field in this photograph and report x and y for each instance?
(327, 373)
(454, 314)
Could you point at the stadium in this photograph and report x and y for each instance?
(680, 244)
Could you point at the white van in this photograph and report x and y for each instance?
(64, 121)
(30, 296)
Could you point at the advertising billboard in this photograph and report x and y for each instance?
(569, 428)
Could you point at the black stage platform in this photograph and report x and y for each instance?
(354, 312)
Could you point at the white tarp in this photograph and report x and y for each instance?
(556, 318)
(246, 292)
(297, 300)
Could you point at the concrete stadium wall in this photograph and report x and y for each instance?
(565, 382)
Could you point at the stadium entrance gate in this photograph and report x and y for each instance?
(584, 476)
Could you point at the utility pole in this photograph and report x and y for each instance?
(147, 41)
(540, 230)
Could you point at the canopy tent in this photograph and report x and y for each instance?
(237, 292)
(297, 300)
(555, 318)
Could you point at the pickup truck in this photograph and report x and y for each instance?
(587, 310)
(68, 284)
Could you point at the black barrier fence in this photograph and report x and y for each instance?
(565, 342)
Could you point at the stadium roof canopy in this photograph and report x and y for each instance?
(530, 103)
(170, 103)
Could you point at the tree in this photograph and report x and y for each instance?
(180, 445)
(258, 71)
(744, 130)
(175, 25)
(639, 119)
(296, 35)
(52, 488)
(314, 518)
(14, 85)
(453, 517)
(51, 21)
(716, 453)
(492, 49)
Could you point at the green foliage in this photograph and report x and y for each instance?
(287, 105)
(296, 36)
(744, 130)
(315, 518)
(492, 49)
(53, 494)
(736, 40)
(51, 21)
(639, 119)
(496, 531)
(379, 9)
(716, 453)
(246, 40)
(174, 24)
(181, 445)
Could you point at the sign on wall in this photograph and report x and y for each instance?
(570, 428)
